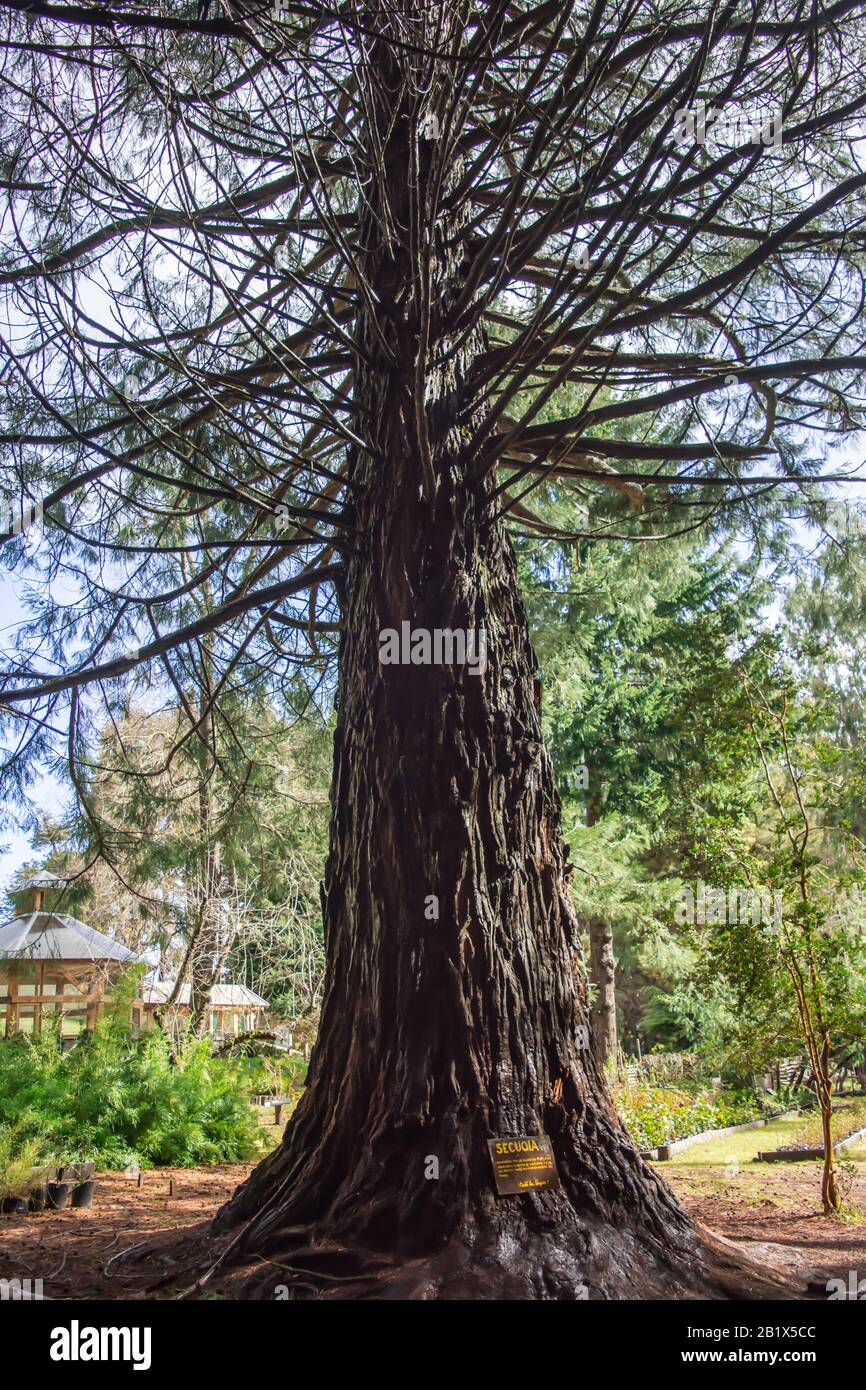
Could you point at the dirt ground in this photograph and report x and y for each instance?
(770, 1213)
(74, 1252)
(774, 1215)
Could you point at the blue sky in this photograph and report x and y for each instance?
(49, 794)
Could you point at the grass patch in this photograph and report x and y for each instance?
(738, 1148)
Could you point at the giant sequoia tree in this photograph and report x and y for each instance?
(294, 301)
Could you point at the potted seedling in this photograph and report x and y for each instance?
(21, 1170)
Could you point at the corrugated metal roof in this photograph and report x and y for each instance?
(57, 936)
(157, 991)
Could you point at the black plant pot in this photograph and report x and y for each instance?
(38, 1197)
(77, 1172)
(58, 1193)
(14, 1205)
(82, 1194)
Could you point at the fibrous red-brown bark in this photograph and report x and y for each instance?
(439, 1034)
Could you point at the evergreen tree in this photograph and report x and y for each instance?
(311, 282)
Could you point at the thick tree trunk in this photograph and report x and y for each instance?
(437, 1035)
(210, 939)
(439, 1032)
(602, 972)
(602, 968)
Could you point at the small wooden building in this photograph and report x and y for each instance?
(53, 964)
(234, 1009)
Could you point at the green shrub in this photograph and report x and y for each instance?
(811, 1132)
(22, 1163)
(273, 1076)
(120, 1100)
(655, 1115)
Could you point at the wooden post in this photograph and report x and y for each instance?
(12, 1008)
(94, 1003)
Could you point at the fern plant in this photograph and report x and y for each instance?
(122, 1100)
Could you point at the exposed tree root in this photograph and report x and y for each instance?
(537, 1250)
(593, 1263)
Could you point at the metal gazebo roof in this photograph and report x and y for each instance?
(221, 996)
(57, 936)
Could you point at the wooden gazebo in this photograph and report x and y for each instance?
(234, 1009)
(53, 964)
